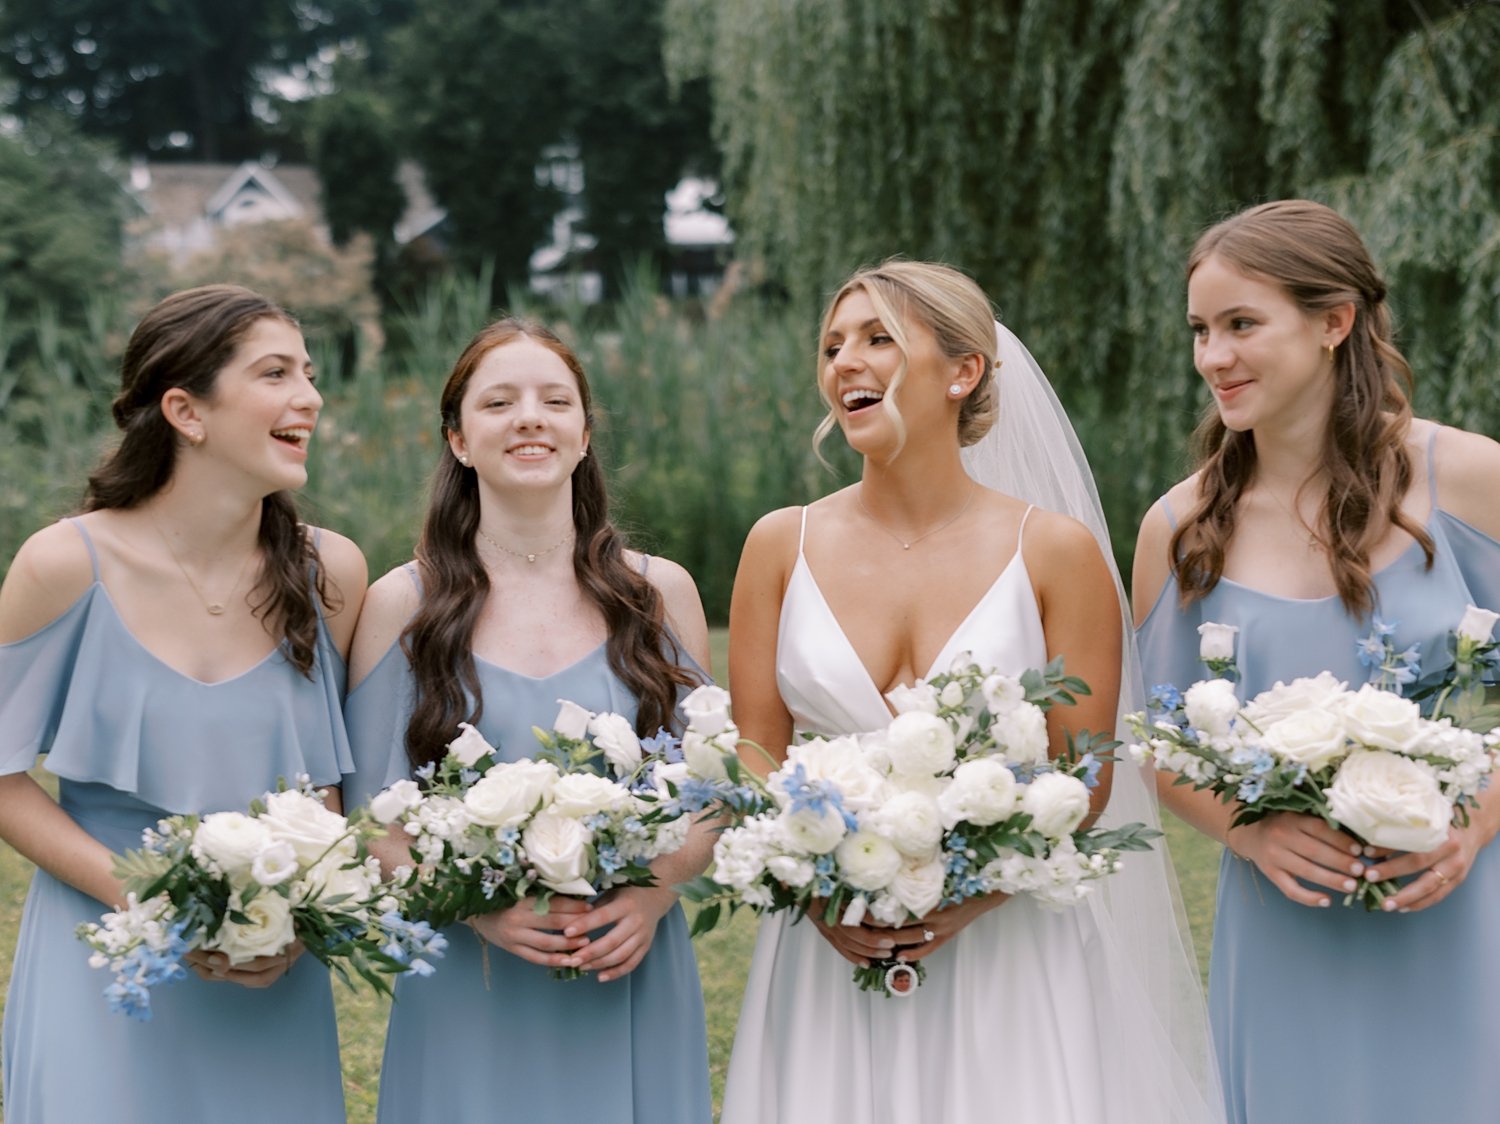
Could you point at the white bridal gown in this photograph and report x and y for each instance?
(1027, 1016)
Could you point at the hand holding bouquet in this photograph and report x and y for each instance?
(249, 885)
(956, 798)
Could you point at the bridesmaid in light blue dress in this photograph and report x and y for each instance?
(176, 648)
(523, 594)
(1323, 1013)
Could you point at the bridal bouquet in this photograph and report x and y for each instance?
(955, 798)
(248, 885)
(589, 813)
(1364, 760)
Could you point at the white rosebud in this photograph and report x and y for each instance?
(707, 709)
(868, 861)
(1211, 705)
(388, 805)
(1057, 804)
(572, 720)
(952, 695)
(1216, 641)
(1390, 801)
(469, 746)
(615, 737)
(1477, 624)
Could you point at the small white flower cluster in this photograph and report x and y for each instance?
(487, 833)
(1367, 757)
(956, 797)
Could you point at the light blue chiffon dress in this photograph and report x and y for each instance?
(480, 1044)
(132, 740)
(1332, 1015)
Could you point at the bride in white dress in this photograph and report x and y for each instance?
(1090, 1015)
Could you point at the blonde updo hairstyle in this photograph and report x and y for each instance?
(949, 305)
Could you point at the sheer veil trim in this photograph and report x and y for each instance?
(1033, 454)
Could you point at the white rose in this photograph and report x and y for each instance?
(919, 886)
(231, 841)
(1383, 720)
(911, 821)
(1477, 624)
(267, 931)
(572, 720)
(790, 870)
(1020, 731)
(1323, 691)
(1216, 641)
(868, 861)
(615, 738)
(469, 746)
(704, 756)
(921, 696)
(1001, 691)
(919, 743)
(274, 865)
(815, 833)
(558, 846)
(1211, 705)
(389, 804)
(303, 821)
(1390, 801)
(707, 709)
(1056, 803)
(509, 792)
(983, 792)
(579, 795)
(1312, 738)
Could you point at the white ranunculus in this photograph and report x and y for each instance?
(867, 861)
(231, 841)
(841, 762)
(1211, 705)
(510, 792)
(572, 720)
(615, 738)
(983, 792)
(580, 795)
(1057, 804)
(704, 756)
(919, 886)
(1001, 691)
(274, 865)
(911, 821)
(1020, 731)
(469, 746)
(389, 804)
(304, 822)
(921, 696)
(790, 870)
(919, 743)
(814, 833)
(266, 933)
(1323, 691)
(707, 709)
(558, 846)
(1216, 641)
(1390, 801)
(1382, 719)
(1311, 737)
(1477, 624)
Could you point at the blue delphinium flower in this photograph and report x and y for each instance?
(665, 743)
(412, 943)
(1251, 789)
(818, 797)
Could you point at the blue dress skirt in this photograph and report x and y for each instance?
(1336, 1014)
(133, 740)
(480, 1043)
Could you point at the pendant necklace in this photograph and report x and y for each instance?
(213, 608)
(905, 544)
(530, 556)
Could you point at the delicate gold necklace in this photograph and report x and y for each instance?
(907, 545)
(214, 608)
(1313, 542)
(530, 556)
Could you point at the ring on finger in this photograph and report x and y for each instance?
(1442, 878)
(928, 935)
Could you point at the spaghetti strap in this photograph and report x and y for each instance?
(1021, 530)
(1166, 507)
(1432, 495)
(416, 578)
(802, 534)
(645, 562)
(88, 542)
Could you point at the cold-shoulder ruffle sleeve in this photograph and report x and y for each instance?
(376, 715)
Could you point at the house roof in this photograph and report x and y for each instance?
(177, 194)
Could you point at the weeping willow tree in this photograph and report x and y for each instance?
(1068, 154)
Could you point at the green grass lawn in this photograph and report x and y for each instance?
(723, 957)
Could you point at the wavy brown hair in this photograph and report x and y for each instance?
(186, 341)
(438, 641)
(1320, 262)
